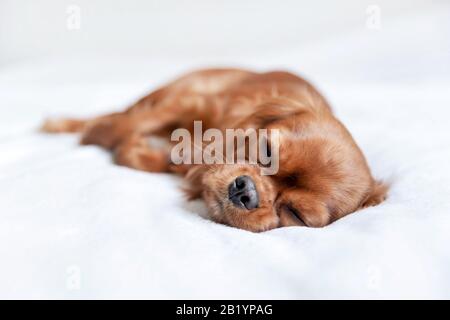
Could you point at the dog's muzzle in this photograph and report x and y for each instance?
(243, 194)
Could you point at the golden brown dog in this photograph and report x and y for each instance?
(322, 174)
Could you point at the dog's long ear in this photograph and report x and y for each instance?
(377, 194)
(193, 187)
(270, 112)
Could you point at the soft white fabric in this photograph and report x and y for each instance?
(73, 225)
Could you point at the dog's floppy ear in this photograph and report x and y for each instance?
(193, 179)
(377, 194)
(270, 112)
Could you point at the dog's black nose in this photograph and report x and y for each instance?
(242, 192)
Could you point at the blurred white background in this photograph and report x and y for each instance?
(201, 29)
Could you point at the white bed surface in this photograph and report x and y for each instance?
(73, 225)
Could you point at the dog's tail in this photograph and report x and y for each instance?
(63, 125)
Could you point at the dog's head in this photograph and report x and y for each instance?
(322, 175)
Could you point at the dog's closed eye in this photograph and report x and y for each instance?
(294, 213)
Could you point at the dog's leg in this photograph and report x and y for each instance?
(63, 125)
(135, 152)
(109, 132)
(94, 131)
(130, 148)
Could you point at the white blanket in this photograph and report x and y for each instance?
(73, 225)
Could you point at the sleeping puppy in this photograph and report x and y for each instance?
(322, 174)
